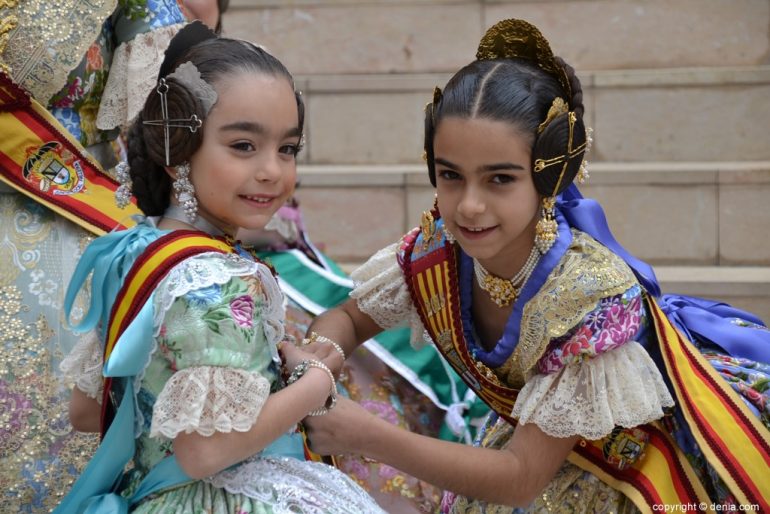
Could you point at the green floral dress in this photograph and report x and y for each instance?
(218, 319)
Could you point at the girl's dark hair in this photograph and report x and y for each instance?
(517, 92)
(214, 58)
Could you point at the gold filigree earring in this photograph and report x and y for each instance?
(546, 230)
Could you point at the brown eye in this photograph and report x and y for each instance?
(503, 179)
(449, 175)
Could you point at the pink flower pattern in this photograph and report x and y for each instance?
(613, 323)
(242, 309)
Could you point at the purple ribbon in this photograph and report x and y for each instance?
(701, 320)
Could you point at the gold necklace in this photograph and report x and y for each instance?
(504, 291)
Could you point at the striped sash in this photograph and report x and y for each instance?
(732, 439)
(39, 158)
(143, 278)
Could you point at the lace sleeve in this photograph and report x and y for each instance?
(83, 366)
(133, 74)
(209, 399)
(219, 319)
(381, 293)
(620, 387)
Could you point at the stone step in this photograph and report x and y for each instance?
(682, 114)
(667, 213)
(747, 288)
(386, 36)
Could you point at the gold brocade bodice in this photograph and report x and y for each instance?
(586, 273)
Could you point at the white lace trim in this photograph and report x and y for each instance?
(291, 485)
(381, 293)
(620, 387)
(208, 399)
(206, 269)
(83, 366)
(198, 272)
(133, 74)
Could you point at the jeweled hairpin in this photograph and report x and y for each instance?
(193, 123)
(571, 153)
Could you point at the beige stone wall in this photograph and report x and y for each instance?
(677, 91)
(395, 36)
(673, 80)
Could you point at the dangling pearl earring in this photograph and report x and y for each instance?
(185, 192)
(546, 230)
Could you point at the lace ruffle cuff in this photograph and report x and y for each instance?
(133, 74)
(83, 366)
(621, 387)
(209, 399)
(382, 294)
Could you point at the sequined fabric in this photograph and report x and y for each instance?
(40, 455)
(587, 273)
(49, 40)
(572, 491)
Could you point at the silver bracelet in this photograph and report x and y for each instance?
(314, 337)
(301, 369)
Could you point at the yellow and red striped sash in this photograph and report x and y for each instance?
(142, 279)
(664, 475)
(39, 158)
(733, 440)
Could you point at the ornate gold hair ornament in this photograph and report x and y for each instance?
(541, 164)
(558, 106)
(518, 39)
(437, 95)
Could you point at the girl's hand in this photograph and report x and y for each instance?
(341, 430)
(326, 353)
(292, 355)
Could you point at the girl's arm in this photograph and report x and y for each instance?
(512, 476)
(201, 456)
(84, 412)
(346, 325)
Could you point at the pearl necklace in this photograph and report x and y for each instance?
(504, 291)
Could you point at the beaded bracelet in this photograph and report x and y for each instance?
(314, 337)
(301, 369)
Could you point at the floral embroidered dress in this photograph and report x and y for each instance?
(217, 319)
(578, 359)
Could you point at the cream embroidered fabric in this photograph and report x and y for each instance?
(48, 40)
(620, 387)
(208, 399)
(382, 294)
(291, 485)
(83, 366)
(133, 74)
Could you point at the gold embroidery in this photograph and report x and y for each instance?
(427, 227)
(33, 417)
(436, 303)
(50, 40)
(487, 372)
(587, 273)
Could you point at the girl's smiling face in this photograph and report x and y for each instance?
(245, 168)
(485, 191)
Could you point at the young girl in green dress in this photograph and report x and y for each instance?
(189, 322)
